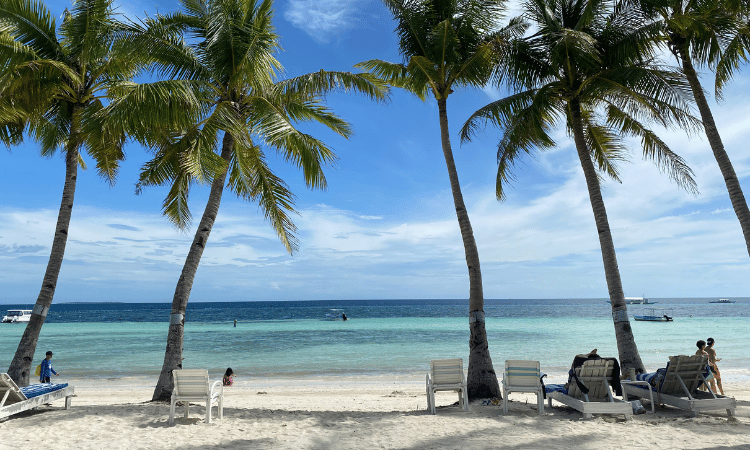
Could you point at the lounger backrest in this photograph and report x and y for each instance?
(447, 371)
(9, 391)
(191, 382)
(519, 373)
(689, 368)
(595, 375)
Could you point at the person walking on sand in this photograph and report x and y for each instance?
(46, 370)
(714, 368)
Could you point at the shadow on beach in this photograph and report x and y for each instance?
(328, 425)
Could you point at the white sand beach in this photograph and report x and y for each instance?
(362, 413)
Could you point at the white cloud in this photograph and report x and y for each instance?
(321, 19)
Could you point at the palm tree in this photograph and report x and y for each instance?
(446, 44)
(220, 54)
(51, 89)
(713, 34)
(587, 65)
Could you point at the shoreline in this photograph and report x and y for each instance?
(371, 412)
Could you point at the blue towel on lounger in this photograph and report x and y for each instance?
(555, 388)
(35, 390)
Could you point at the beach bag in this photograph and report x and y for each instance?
(38, 370)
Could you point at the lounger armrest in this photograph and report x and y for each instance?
(217, 389)
(646, 385)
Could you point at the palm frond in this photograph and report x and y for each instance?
(397, 75)
(654, 148)
(324, 82)
(104, 146)
(252, 179)
(31, 23)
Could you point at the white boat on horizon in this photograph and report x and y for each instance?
(17, 316)
(722, 300)
(636, 301)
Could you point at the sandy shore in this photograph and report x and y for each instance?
(362, 413)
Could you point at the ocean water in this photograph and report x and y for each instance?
(296, 339)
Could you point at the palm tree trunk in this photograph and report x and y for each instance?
(173, 354)
(628, 351)
(481, 380)
(712, 133)
(20, 367)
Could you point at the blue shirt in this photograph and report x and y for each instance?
(47, 370)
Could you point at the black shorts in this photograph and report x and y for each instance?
(45, 380)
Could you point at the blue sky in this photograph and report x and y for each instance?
(386, 227)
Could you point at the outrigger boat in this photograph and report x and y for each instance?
(722, 300)
(656, 315)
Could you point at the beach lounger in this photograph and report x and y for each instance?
(594, 376)
(192, 385)
(447, 375)
(523, 376)
(14, 399)
(678, 384)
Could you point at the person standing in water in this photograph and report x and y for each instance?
(714, 368)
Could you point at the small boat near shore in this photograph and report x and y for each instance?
(656, 315)
(722, 300)
(17, 316)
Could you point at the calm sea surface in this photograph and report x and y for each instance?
(381, 337)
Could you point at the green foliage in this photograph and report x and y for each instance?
(712, 33)
(51, 86)
(588, 58)
(220, 58)
(444, 43)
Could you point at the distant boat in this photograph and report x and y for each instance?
(656, 315)
(17, 316)
(722, 300)
(636, 301)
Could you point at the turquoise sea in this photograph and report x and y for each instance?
(299, 339)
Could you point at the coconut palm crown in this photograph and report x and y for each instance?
(222, 107)
(585, 64)
(447, 44)
(713, 34)
(52, 85)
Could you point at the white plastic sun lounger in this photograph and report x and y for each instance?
(523, 376)
(192, 385)
(679, 387)
(595, 375)
(14, 400)
(447, 375)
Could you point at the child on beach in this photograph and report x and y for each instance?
(46, 370)
(228, 377)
